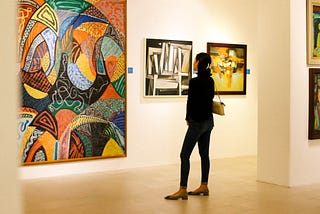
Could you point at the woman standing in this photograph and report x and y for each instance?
(200, 121)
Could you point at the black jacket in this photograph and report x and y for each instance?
(200, 96)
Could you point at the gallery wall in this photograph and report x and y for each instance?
(304, 153)
(10, 196)
(285, 155)
(156, 126)
(274, 91)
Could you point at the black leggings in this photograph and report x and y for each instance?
(197, 132)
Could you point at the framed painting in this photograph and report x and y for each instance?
(228, 67)
(313, 32)
(314, 103)
(168, 67)
(72, 68)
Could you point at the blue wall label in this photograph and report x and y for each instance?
(130, 70)
(248, 71)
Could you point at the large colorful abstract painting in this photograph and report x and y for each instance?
(72, 63)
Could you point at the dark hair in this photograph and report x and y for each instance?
(204, 64)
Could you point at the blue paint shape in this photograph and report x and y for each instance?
(56, 150)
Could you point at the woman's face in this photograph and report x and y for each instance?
(195, 64)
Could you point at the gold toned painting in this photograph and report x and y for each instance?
(228, 67)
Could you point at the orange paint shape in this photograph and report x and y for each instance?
(40, 2)
(36, 30)
(80, 36)
(64, 118)
(33, 151)
(48, 141)
(110, 92)
(111, 63)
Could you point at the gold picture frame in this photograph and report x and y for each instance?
(313, 32)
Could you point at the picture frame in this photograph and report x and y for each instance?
(314, 103)
(313, 32)
(228, 67)
(72, 81)
(168, 67)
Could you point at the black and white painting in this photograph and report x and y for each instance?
(168, 67)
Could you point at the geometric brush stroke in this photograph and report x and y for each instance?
(77, 78)
(46, 122)
(37, 80)
(47, 16)
(69, 5)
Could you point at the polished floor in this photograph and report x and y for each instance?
(233, 190)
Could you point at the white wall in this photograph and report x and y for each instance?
(304, 153)
(274, 91)
(10, 200)
(156, 126)
(285, 155)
